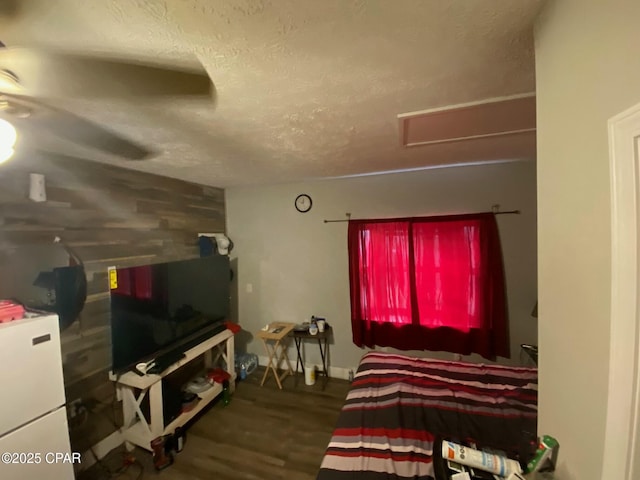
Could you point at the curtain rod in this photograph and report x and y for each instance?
(495, 209)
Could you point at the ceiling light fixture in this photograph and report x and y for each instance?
(8, 136)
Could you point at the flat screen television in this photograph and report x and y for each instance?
(164, 307)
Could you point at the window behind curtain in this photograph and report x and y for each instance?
(385, 262)
(447, 266)
(432, 283)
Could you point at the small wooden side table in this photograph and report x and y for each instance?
(323, 340)
(276, 349)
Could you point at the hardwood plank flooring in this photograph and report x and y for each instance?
(263, 434)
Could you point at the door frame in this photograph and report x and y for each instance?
(622, 429)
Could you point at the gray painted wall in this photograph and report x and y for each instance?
(296, 265)
(587, 71)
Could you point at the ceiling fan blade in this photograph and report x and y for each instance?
(78, 130)
(54, 74)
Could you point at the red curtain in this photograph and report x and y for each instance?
(434, 283)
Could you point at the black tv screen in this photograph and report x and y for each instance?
(161, 307)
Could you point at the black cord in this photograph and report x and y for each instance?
(141, 474)
(120, 471)
(90, 406)
(104, 466)
(112, 404)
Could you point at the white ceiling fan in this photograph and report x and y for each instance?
(31, 78)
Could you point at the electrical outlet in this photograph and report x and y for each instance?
(77, 413)
(74, 407)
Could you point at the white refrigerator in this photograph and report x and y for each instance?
(34, 435)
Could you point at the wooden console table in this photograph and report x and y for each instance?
(132, 389)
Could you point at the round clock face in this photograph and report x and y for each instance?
(303, 203)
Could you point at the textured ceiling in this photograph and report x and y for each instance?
(305, 88)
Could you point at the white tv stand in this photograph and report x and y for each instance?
(132, 389)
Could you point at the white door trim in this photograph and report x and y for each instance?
(623, 410)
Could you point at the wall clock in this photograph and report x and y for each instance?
(303, 203)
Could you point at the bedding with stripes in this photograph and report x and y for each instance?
(399, 406)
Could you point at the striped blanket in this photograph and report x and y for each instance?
(399, 406)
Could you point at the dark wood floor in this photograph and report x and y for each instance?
(263, 434)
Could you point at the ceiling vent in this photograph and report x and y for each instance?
(487, 118)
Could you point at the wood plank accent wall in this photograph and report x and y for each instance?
(109, 216)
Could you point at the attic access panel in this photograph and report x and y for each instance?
(487, 118)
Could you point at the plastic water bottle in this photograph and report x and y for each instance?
(243, 371)
(226, 394)
(179, 439)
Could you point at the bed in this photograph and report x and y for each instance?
(399, 407)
